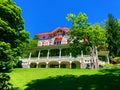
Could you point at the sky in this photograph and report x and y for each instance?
(46, 15)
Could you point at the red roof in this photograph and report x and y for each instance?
(59, 37)
(65, 29)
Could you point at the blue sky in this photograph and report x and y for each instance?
(46, 15)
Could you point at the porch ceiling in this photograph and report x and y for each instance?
(48, 47)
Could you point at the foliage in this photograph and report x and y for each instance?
(81, 31)
(6, 57)
(12, 34)
(113, 35)
(4, 82)
(112, 66)
(12, 39)
(32, 42)
(117, 59)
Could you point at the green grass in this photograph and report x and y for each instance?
(65, 79)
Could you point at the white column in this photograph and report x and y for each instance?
(29, 59)
(30, 55)
(108, 61)
(70, 64)
(60, 52)
(70, 55)
(59, 63)
(48, 53)
(39, 54)
(46, 64)
(82, 54)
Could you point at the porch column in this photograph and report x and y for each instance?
(46, 64)
(48, 53)
(70, 64)
(29, 59)
(39, 54)
(59, 63)
(108, 61)
(70, 55)
(60, 52)
(30, 55)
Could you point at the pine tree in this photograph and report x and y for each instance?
(113, 36)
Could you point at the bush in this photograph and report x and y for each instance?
(4, 82)
(117, 59)
(33, 65)
(108, 66)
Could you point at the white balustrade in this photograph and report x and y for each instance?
(85, 58)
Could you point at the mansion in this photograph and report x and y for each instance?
(53, 52)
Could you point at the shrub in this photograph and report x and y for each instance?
(33, 65)
(4, 82)
(117, 59)
(112, 66)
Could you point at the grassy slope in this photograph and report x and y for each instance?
(65, 79)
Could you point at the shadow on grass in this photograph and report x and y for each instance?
(105, 81)
(110, 71)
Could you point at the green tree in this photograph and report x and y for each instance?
(83, 34)
(32, 42)
(12, 39)
(12, 34)
(113, 35)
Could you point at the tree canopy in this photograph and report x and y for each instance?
(113, 35)
(82, 33)
(12, 33)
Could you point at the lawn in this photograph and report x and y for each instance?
(65, 79)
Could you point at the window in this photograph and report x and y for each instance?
(43, 37)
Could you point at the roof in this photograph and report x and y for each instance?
(59, 37)
(65, 29)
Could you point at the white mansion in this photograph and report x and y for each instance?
(56, 39)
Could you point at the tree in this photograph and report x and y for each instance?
(12, 34)
(113, 36)
(12, 39)
(83, 34)
(32, 42)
